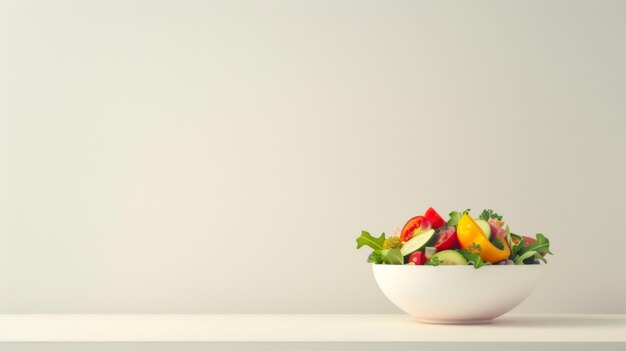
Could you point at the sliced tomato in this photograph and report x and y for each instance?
(434, 218)
(418, 223)
(447, 239)
(417, 258)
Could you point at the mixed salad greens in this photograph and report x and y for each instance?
(461, 240)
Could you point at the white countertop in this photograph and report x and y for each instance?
(305, 328)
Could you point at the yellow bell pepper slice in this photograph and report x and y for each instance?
(472, 238)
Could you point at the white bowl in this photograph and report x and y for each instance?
(457, 294)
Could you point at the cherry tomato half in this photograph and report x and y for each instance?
(417, 222)
(447, 239)
(418, 258)
(434, 218)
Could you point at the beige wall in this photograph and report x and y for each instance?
(215, 156)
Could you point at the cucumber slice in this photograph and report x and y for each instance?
(449, 257)
(417, 242)
(484, 226)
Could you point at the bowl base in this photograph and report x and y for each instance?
(455, 321)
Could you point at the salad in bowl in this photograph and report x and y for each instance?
(461, 270)
(461, 240)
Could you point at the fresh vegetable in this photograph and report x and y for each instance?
(544, 246)
(414, 226)
(392, 242)
(484, 226)
(461, 240)
(417, 258)
(497, 242)
(446, 239)
(455, 217)
(392, 256)
(489, 214)
(527, 240)
(366, 239)
(434, 218)
(526, 249)
(470, 233)
(496, 228)
(375, 257)
(526, 255)
(541, 244)
(447, 257)
(473, 258)
(418, 242)
(429, 251)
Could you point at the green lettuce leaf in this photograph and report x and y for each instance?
(455, 216)
(525, 255)
(366, 239)
(542, 245)
(474, 258)
(433, 261)
(536, 250)
(516, 248)
(540, 257)
(392, 256)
